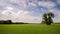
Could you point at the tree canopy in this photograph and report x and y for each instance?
(47, 18)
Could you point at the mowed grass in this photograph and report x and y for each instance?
(29, 29)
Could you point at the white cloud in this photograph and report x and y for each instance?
(46, 4)
(8, 11)
(22, 12)
(9, 8)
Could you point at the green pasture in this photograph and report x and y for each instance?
(29, 29)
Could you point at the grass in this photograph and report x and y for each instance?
(29, 29)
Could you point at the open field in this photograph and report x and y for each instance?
(29, 29)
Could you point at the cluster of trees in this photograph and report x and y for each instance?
(47, 18)
(10, 22)
(5, 22)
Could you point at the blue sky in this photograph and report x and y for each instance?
(30, 11)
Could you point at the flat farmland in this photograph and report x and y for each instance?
(29, 29)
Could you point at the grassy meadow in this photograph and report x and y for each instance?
(29, 29)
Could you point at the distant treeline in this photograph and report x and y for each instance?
(10, 22)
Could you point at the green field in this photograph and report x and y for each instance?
(29, 29)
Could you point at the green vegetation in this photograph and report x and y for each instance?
(47, 18)
(29, 29)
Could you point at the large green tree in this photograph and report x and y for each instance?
(47, 18)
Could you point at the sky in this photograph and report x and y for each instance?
(30, 11)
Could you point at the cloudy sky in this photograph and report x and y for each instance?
(30, 11)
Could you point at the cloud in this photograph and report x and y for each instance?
(47, 4)
(9, 8)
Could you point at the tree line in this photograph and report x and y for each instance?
(10, 22)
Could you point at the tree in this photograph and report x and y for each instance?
(47, 18)
(50, 16)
